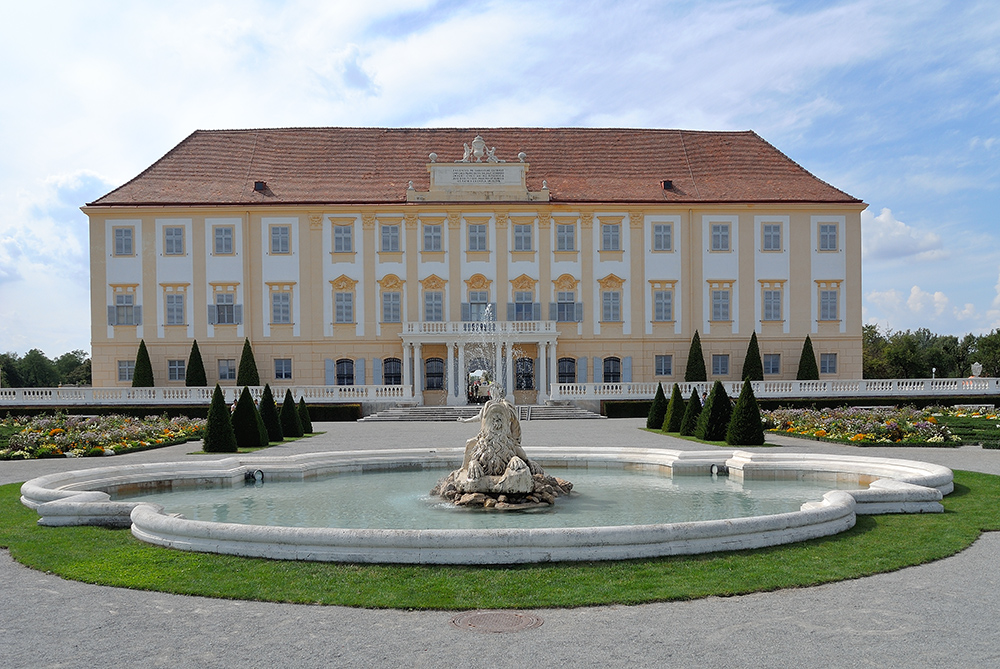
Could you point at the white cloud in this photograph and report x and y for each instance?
(967, 312)
(883, 237)
(920, 300)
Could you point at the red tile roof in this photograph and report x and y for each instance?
(374, 165)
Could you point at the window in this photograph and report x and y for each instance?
(477, 237)
(227, 370)
(827, 363)
(175, 308)
(225, 310)
(123, 241)
(432, 238)
(280, 235)
(343, 241)
(612, 370)
(392, 372)
(344, 307)
(282, 368)
(720, 236)
(390, 308)
(565, 237)
(125, 310)
(173, 241)
(525, 374)
(663, 305)
(720, 305)
(772, 305)
(611, 306)
(345, 372)
(175, 370)
(478, 303)
(566, 308)
(771, 237)
(828, 305)
(828, 237)
(611, 237)
(434, 378)
(662, 237)
(772, 363)
(126, 369)
(223, 239)
(522, 237)
(281, 307)
(434, 306)
(390, 238)
(720, 364)
(663, 365)
(567, 370)
(523, 306)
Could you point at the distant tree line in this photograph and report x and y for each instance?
(921, 353)
(35, 370)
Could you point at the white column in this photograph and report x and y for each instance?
(510, 371)
(543, 374)
(418, 374)
(407, 361)
(498, 364)
(451, 378)
(463, 376)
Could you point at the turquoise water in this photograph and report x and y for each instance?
(400, 500)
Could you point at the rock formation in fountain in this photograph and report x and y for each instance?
(496, 472)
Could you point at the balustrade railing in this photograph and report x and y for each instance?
(74, 396)
(459, 328)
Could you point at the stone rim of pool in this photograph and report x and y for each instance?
(83, 497)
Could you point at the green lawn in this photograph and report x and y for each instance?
(974, 430)
(876, 544)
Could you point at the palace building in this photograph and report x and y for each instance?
(413, 258)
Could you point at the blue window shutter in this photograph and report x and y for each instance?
(138, 315)
(579, 312)
(238, 313)
(377, 371)
(510, 311)
(466, 312)
(581, 370)
(359, 372)
(112, 315)
(627, 369)
(330, 367)
(598, 370)
(553, 311)
(538, 374)
(213, 314)
(536, 311)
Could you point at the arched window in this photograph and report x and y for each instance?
(392, 372)
(345, 372)
(612, 370)
(525, 368)
(434, 375)
(567, 370)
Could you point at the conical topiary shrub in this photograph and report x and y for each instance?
(247, 425)
(714, 419)
(142, 375)
(675, 411)
(290, 425)
(753, 369)
(695, 370)
(657, 410)
(194, 373)
(304, 418)
(808, 371)
(269, 414)
(745, 428)
(247, 374)
(689, 422)
(219, 435)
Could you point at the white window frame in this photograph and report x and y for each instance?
(827, 363)
(227, 369)
(126, 370)
(174, 308)
(433, 240)
(523, 237)
(663, 365)
(282, 368)
(611, 237)
(392, 307)
(720, 237)
(176, 370)
(720, 364)
(343, 239)
(224, 240)
(173, 240)
(433, 306)
(772, 363)
(124, 239)
(343, 307)
(281, 239)
(225, 308)
(828, 237)
(281, 307)
(565, 237)
(770, 236)
(390, 238)
(663, 237)
(828, 304)
(477, 237)
(611, 306)
(721, 305)
(663, 305)
(771, 302)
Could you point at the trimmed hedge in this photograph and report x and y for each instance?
(269, 414)
(626, 408)
(675, 411)
(657, 410)
(219, 435)
(291, 426)
(745, 428)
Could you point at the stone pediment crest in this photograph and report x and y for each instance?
(523, 283)
(433, 282)
(566, 283)
(611, 282)
(343, 283)
(391, 282)
(478, 282)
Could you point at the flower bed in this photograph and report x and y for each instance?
(864, 427)
(90, 436)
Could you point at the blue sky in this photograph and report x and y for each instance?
(897, 103)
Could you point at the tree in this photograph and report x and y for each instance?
(304, 417)
(219, 435)
(68, 363)
(290, 424)
(753, 369)
(269, 414)
(194, 373)
(675, 411)
(696, 361)
(689, 423)
(37, 371)
(81, 376)
(714, 419)
(142, 375)
(10, 375)
(247, 374)
(657, 410)
(247, 425)
(873, 365)
(808, 371)
(745, 428)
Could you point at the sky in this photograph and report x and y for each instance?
(895, 102)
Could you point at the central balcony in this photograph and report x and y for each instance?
(465, 328)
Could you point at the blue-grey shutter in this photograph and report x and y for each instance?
(493, 311)
(581, 370)
(137, 315)
(536, 311)
(579, 312)
(238, 313)
(627, 369)
(510, 311)
(112, 316)
(466, 312)
(377, 379)
(598, 370)
(213, 314)
(538, 374)
(359, 372)
(553, 311)
(330, 367)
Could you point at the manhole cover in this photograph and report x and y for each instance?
(495, 622)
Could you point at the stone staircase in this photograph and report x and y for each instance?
(447, 414)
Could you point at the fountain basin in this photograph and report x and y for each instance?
(84, 497)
